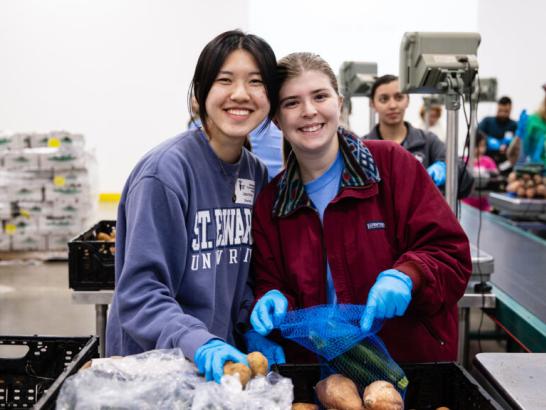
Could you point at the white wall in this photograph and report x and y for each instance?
(513, 49)
(353, 30)
(118, 70)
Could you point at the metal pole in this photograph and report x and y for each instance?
(452, 100)
(473, 126)
(372, 118)
(464, 325)
(100, 317)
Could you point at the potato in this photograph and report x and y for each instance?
(242, 370)
(88, 364)
(513, 186)
(521, 191)
(537, 179)
(258, 364)
(442, 408)
(530, 184)
(338, 392)
(512, 177)
(541, 190)
(304, 406)
(526, 177)
(103, 236)
(530, 193)
(381, 395)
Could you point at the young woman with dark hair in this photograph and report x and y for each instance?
(184, 245)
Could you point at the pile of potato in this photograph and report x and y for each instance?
(526, 185)
(340, 393)
(258, 367)
(103, 236)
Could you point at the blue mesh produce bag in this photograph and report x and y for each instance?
(333, 332)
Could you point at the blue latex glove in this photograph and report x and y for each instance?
(437, 172)
(389, 297)
(507, 140)
(273, 303)
(493, 144)
(211, 357)
(255, 342)
(522, 124)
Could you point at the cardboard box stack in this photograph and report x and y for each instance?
(45, 190)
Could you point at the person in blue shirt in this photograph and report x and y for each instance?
(266, 142)
(184, 244)
(499, 129)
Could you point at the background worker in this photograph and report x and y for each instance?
(430, 120)
(499, 129)
(391, 104)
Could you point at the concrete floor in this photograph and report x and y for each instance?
(35, 299)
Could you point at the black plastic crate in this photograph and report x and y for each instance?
(431, 385)
(90, 261)
(33, 379)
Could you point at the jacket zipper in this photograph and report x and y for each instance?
(324, 260)
(432, 332)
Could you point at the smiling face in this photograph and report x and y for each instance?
(390, 104)
(237, 101)
(309, 113)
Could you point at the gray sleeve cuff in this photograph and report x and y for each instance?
(193, 340)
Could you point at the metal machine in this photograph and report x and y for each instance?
(356, 79)
(441, 63)
(485, 90)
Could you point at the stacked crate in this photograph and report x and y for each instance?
(45, 190)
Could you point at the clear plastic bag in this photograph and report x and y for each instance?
(164, 379)
(272, 392)
(159, 379)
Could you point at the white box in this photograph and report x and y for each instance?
(62, 159)
(21, 226)
(60, 225)
(79, 177)
(5, 242)
(21, 160)
(57, 139)
(35, 209)
(59, 242)
(28, 243)
(70, 194)
(5, 209)
(9, 141)
(25, 193)
(76, 211)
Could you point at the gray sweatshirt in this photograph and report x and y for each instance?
(183, 248)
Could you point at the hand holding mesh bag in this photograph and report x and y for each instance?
(270, 306)
(334, 333)
(389, 297)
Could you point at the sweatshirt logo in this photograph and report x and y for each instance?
(375, 225)
(221, 235)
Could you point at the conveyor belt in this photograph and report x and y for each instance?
(520, 259)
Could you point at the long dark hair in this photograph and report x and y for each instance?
(214, 55)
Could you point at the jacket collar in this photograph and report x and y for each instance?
(359, 170)
(415, 137)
